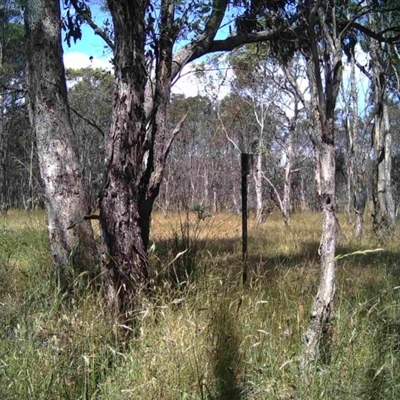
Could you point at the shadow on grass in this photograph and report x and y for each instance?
(227, 252)
(226, 361)
(223, 257)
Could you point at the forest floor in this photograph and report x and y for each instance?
(200, 333)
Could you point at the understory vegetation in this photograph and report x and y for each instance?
(200, 333)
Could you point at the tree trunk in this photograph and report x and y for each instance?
(258, 189)
(287, 193)
(356, 161)
(67, 203)
(384, 210)
(3, 160)
(3, 149)
(322, 309)
(126, 263)
(137, 147)
(327, 55)
(287, 184)
(360, 201)
(303, 201)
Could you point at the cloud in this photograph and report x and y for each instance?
(76, 60)
(212, 84)
(186, 83)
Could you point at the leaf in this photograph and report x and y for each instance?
(358, 252)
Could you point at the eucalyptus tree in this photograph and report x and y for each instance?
(328, 35)
(146, 61)
(254, 85)
(12, 60)
(324, 52)
(357, 149)
(90, 97)
(384, 207)
(66, 197)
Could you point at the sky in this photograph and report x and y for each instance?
(78, 54)
(90, 52)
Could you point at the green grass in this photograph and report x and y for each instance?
(202, 335)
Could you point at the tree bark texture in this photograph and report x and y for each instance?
(356, 159)
(71, 238)
(3, 149)
(322, 310)
(384, 218)
(384, 209)
(319, 332)
(287, 184)
(3, 160)
(126, 263)
(259, 189)
(137, 148)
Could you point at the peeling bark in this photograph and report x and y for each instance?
(384, 217)
(355, 160)
(259, 190)
(318, 336)
(287, 183)
(66, 198)
(125, 265)
(319, 329)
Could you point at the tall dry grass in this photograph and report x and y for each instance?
(202, 335)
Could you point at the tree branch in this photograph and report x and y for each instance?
(174, 133)
(97, 30)
(207, 45)
(91, 123)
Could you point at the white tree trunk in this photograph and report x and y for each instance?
(71, 237)
(303, 201)
(259, 188)
(287, 184)
(326, 55)
(322, 309)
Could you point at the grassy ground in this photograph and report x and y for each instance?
(202, 335)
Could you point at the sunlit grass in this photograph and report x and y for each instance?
(202, 335)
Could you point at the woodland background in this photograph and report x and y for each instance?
(89, 157)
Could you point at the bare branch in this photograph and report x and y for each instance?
(226, 132)
(174, 133)
(278, 197)
(88, 121)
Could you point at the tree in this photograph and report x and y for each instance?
(90, 98)
(384, 207)
(66, 197)
(328, 36)
(11, 78)
(325, 54)
(356, 153)
(138, 143)
(254, 86)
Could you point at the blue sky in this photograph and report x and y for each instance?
(91, 45)
(78, 56)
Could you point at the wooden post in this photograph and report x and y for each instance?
(246, 166)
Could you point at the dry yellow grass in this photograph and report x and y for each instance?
(210, 338)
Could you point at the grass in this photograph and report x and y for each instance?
(202, 334)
